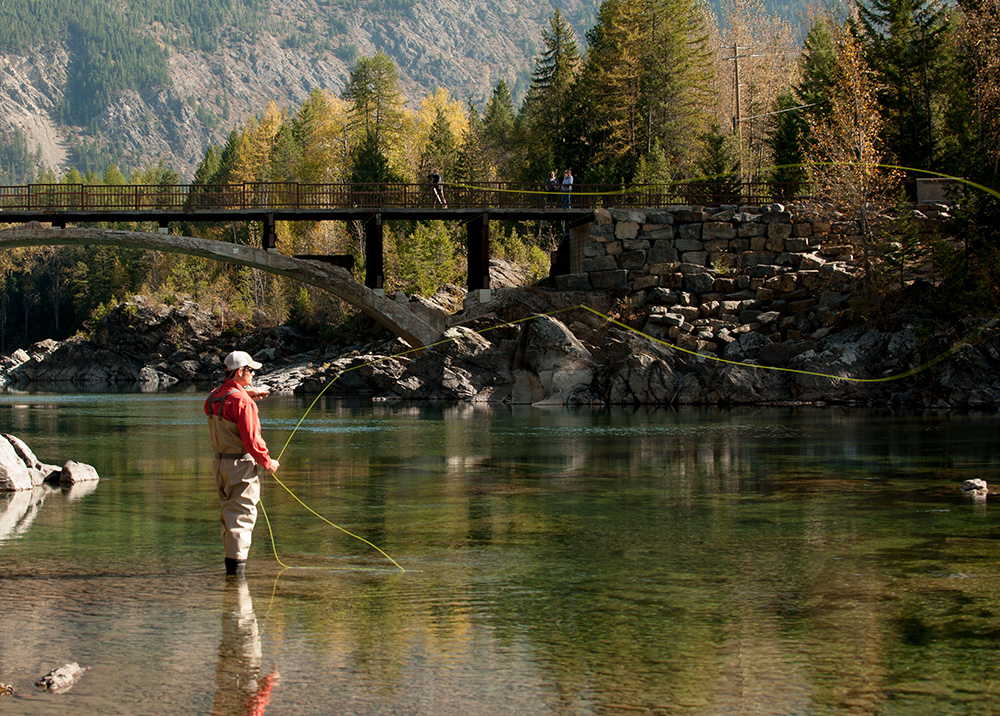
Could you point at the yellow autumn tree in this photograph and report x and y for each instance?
(323, 122)
(846, 154)
(417, 126)
(258, 139)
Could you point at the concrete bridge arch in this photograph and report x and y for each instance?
(416, 330)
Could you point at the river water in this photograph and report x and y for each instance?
(746, 561)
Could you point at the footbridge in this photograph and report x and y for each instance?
(59, 214)
(415, 329)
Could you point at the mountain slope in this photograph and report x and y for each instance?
(211, 84)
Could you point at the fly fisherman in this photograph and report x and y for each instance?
(240, 453)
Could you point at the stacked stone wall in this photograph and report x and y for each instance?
(705, 275)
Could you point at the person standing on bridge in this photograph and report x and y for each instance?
(567, 188)
(437, 188)
(240, 454)
(552, 188)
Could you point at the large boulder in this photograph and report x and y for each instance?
(551, 364)
(74, 472)
(21, 470)
(14, 473)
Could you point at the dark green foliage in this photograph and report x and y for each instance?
(441, 151)
(544, 114)
(472, 161)
(95, 157)
(787, 130)
(645, 79)
(17, 161)
(370, 165)
(718, 167)
(903, 42)
(498, 130)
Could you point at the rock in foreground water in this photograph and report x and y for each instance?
(21, 470)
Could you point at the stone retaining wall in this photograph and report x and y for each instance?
(706, 275)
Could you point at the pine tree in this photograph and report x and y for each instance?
(545, 109)
(472, 163)
(441, 151)
(786, 150)
(371, 165)
(644, 80)
(903, 44)
(498, 130)
(376, 101)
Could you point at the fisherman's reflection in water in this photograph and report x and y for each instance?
(239, 689)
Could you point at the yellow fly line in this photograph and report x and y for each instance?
(645, 189)
(957, 346)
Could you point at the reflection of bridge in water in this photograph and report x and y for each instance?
(475, 205)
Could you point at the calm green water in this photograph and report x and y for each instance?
(777, 561)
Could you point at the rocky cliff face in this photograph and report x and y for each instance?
(465, 47)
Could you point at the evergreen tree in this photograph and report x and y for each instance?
(472, 163)
(903, 44)
(376, 101)
(208, 167)
(644, 80)
(370, 164)
(441, 151)
(223, 173)
(718, 167)
(972, 143)
(498, 130)
(806, 104)
(784, 140)
(545, 109)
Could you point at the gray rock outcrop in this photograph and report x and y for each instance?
(20, 470)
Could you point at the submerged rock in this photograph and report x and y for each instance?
(976, 489)
(63, 679)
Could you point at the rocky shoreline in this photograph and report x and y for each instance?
(529, 346)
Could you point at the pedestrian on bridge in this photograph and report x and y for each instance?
(567, 188)
(437, 188)
(552, 187)
(240, 455)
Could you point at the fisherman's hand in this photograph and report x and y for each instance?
(258, 393)
(272, 466)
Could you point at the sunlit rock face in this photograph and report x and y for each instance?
(20, 470)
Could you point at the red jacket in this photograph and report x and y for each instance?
(241, 409)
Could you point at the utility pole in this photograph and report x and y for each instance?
(738, 128)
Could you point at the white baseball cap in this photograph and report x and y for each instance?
(240, 359)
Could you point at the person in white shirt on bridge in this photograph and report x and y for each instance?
(567, 188)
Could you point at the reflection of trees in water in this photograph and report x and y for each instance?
(710, 563)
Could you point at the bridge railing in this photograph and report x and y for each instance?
(292, 195)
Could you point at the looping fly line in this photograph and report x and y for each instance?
(957, 346)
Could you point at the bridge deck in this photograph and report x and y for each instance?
(294, 201)
(67, 215)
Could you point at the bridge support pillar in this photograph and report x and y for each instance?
(270, 240)
(478, 248)
(579, 234)
(374, 277)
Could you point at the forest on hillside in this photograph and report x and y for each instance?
(894, 89)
